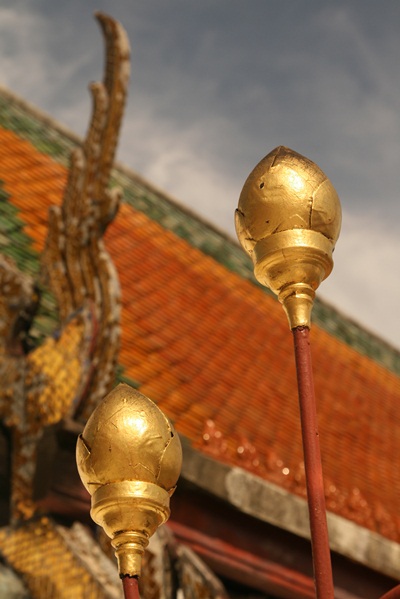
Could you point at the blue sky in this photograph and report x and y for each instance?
(217, 84)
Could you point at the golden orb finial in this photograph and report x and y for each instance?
(288, 221)
(129, 459)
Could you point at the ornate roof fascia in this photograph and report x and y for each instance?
(272, 504)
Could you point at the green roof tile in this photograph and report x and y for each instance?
(18, 246)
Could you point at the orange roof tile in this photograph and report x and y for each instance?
(207, 344)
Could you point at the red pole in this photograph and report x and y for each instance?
(393, 594)
(131, 587)
(313, 467)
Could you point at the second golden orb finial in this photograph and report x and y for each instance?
(288, 221)
(129, 459)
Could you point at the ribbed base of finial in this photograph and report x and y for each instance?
(130, 512)
(292, 264)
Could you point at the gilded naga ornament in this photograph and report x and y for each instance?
(70, 372)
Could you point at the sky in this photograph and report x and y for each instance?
(216, 85)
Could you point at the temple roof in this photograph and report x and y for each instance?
(208, 344)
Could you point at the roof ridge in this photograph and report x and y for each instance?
(51, 137)
(39, 114)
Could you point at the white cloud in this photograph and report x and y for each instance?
(30, 66)
(178, 160)
(365, 282)
(22, 56)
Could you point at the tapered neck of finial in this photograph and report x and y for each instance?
(297, 300)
